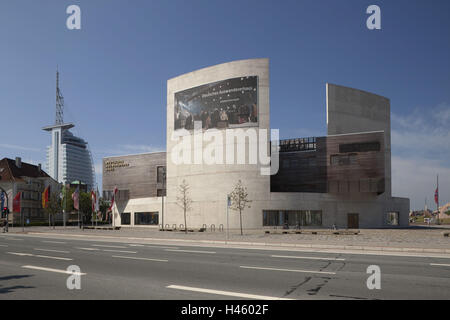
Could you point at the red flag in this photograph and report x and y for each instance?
(113, 199)
(76, 199)
(45, 197)
(93, 200)
(436, 195)
(16, 202)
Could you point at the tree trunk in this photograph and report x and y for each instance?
(240, 218)
(185, 221)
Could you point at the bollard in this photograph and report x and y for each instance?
(213, 227)
(221, 227)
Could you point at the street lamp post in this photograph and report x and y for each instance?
(228, 226)
(162, 197)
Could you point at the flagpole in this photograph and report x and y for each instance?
(437, 202)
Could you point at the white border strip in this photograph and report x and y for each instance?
(138, 258)
(54, 270)
(226, 293)
(287, 270)
(308, 258)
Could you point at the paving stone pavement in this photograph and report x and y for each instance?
(415, 237)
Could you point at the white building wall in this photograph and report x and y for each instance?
(210, 184)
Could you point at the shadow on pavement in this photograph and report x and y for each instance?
(4, 290)
(15, 277)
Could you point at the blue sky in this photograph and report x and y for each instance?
(114, 71)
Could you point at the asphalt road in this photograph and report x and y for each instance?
(33, 267)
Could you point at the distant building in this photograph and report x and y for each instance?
(442, 211)
(17, 176)
(80, 185)
(140, 183)
(68, 157)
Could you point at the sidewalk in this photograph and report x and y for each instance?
(414, 240)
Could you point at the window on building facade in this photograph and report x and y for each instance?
(344, 159)
(392, 219)
(360, 147)
(146, 218)
(160, 174)
(125, 218)
(292, 217)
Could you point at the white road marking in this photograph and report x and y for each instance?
(288, 270)
(105, 246)
(308, 258)
(226, 293)
(51, 250)
(190, 251)
(89, 249)
(138, 258)
(106, 250)
(121, 251)
(54, 242)
(54, 270)
(3, 245)
(152, 246)
(17, 239)
(440, 264)
(38, 256)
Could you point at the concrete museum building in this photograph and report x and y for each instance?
(218, 132)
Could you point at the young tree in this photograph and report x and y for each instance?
(103, 206)
(67, 201)
(54, 206)
(85, 206)
(239, 200)
(183, 200)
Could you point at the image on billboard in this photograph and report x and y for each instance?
(230, 103)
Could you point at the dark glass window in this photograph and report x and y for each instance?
(292, 217)
(360, 147)
(146, 218)
(160, 174)
(343, 159)
(125, 218)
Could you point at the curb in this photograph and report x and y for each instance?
(264, 244)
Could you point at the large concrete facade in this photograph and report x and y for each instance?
(355, 119)
(210, 184)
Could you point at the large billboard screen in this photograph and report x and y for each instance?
(230, 103)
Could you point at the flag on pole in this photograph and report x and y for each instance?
(76, 199)
(97, 205)
(2, 197)
(45, 197)
(93, 200)
(16, 202)
(113, 198)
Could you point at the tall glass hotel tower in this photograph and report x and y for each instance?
(68, 158)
